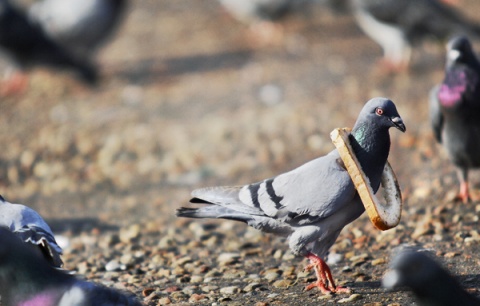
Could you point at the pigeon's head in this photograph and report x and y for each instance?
(382, 113)
(411, 269)
(459, 50)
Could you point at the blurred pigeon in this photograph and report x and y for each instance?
(455, 110)
(310, 204)
(397, 25)
(27, 225)
(431, 284)
(80, 26)
(27, 45)
(27, 279)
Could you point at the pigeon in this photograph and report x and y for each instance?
(27, 45)
(27, 279)
(80, 26)
(431, 284)
(312, 203)
(397, 25)
(455, 110)
(28, 225)
(258, 10)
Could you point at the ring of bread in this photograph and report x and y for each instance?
(384, 216)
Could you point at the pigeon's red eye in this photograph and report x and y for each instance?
(379, 111)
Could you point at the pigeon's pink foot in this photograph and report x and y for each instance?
(325, 282)
(15, 84)
(463, 195)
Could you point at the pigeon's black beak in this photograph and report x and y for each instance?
(398, 123)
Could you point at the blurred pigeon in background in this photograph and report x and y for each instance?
(27, 45)
(310, 204)
(455, 110)
(29, 226)
(262, 15)
(397, 25)
(80, 26)
(431, 284)
(27, 279)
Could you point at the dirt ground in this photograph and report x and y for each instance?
(190, 99)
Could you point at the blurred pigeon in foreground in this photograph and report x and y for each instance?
(455, 110)
(27, 279)
(27, 225)
(397, 25)
(80, 26)
(431, 284)
(27, 45)
(310, 204)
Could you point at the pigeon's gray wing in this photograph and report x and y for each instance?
(436, 117)
(27, 224)
(307, 194)
(313, 191)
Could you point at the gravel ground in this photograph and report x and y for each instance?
(189, 99)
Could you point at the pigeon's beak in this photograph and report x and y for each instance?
(398, 123)
(391, 279)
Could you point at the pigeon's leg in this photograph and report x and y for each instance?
(463, 194)
(15, 83)
(325, 281)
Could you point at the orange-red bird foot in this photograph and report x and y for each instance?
(325, 282)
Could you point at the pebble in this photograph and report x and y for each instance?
(164, 301)
(283, 283)
(114, 265)
(230, 290)
(228, 258)
(129, 234)
(252, 286)
(352, 298)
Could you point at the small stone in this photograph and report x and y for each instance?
(196, 297)
(209, 288)
(113, 265)
(352, 298)
(373, 304)
(378, 261)
(230, 290)
(261, 304)
(252, 286)
(196, 279)
(228, 258)
(129, 234)
(164, 301)
(283, 283)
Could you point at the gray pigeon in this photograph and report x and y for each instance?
(430, 283)
(27, 225)
(27, 279)
(28, 46)
(397, 25)
(455, 110)
(258, 10)
(312, 203)
(80, 26)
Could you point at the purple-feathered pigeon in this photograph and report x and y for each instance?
(312, 203)
(397, 25)
(455, 110)
(27, 279)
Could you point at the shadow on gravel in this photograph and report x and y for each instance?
(78, 225)
(150, 70)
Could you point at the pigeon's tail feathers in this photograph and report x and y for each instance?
(225, 196)
(216, 195)
(44, 240)
(213, 211)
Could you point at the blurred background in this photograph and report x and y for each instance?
(191, 97)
